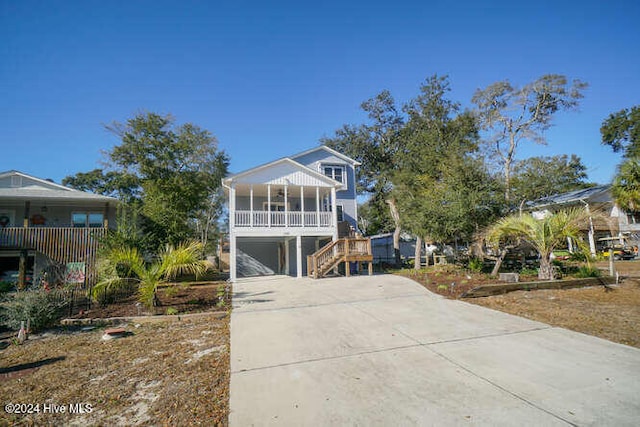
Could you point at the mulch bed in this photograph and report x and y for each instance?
(180, 298)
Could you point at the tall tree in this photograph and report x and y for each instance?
(621, 131)
(440, 182)
(538, 177)
(512, 114)
(375, 145)
(167, 172)
(626, 185)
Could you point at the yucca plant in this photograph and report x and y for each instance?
(123, 265)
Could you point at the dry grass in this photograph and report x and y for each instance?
(162, 373)
(610, 314)
(613, 315)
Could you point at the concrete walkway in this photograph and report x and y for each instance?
(384, 351)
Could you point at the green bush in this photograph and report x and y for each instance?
(529, 272)
(587, 271)
(41, 308)
(7, 287)
(476, 265)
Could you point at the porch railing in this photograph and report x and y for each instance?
(341, 250)
(282, 219)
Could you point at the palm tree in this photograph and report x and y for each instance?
(122, 265)
(544, 235)
(626, 185)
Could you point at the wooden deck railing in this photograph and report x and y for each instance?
(341, 250)
(62, 244)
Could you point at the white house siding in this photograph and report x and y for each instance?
(347, 198)
(282, 174)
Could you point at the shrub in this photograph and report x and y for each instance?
(529, 272)
(7, 287)
(41, 308)
(171, 311)
(476, 265)
(587, 271)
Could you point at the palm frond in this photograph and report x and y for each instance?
(183, 259)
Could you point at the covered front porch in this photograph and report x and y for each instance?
(282, 206)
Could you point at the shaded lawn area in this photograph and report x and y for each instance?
(164, 373)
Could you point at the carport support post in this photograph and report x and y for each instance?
(299, 256)
(232, 257)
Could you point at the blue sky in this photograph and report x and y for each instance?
(270, 80)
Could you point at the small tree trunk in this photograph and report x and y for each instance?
(156, 300)
(546, 269)
(418, 254)
(395, 215)
(496, 267)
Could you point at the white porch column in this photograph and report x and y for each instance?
(302, 205)
(318, 206)
(299, 256)
(232, 206)
(286, 257)
(251, 205)
(232, 257)
(286, 208)
(268, 205)
(334, 212)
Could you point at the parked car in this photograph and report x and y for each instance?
(619, 252)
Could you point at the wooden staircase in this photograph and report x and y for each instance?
(342, 250)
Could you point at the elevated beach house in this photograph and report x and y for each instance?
(47, 227)
(295, 216)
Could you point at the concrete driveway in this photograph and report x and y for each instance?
(383, 350)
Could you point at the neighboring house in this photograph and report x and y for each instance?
(45, 226)
(283, 211)
(596, 199)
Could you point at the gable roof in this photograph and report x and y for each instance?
(42, 189)
(329, 150)
(315, 175)
(278, 168)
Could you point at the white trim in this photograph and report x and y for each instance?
(330, 150)
(232, 257)
(344, 183)
(330, 182)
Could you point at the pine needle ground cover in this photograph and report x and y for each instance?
(160, 373)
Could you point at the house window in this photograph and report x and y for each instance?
(633, 218)
(335, 172)
(87, 219)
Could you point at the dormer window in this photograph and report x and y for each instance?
(335, 172)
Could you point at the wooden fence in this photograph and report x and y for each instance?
(62, 245)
